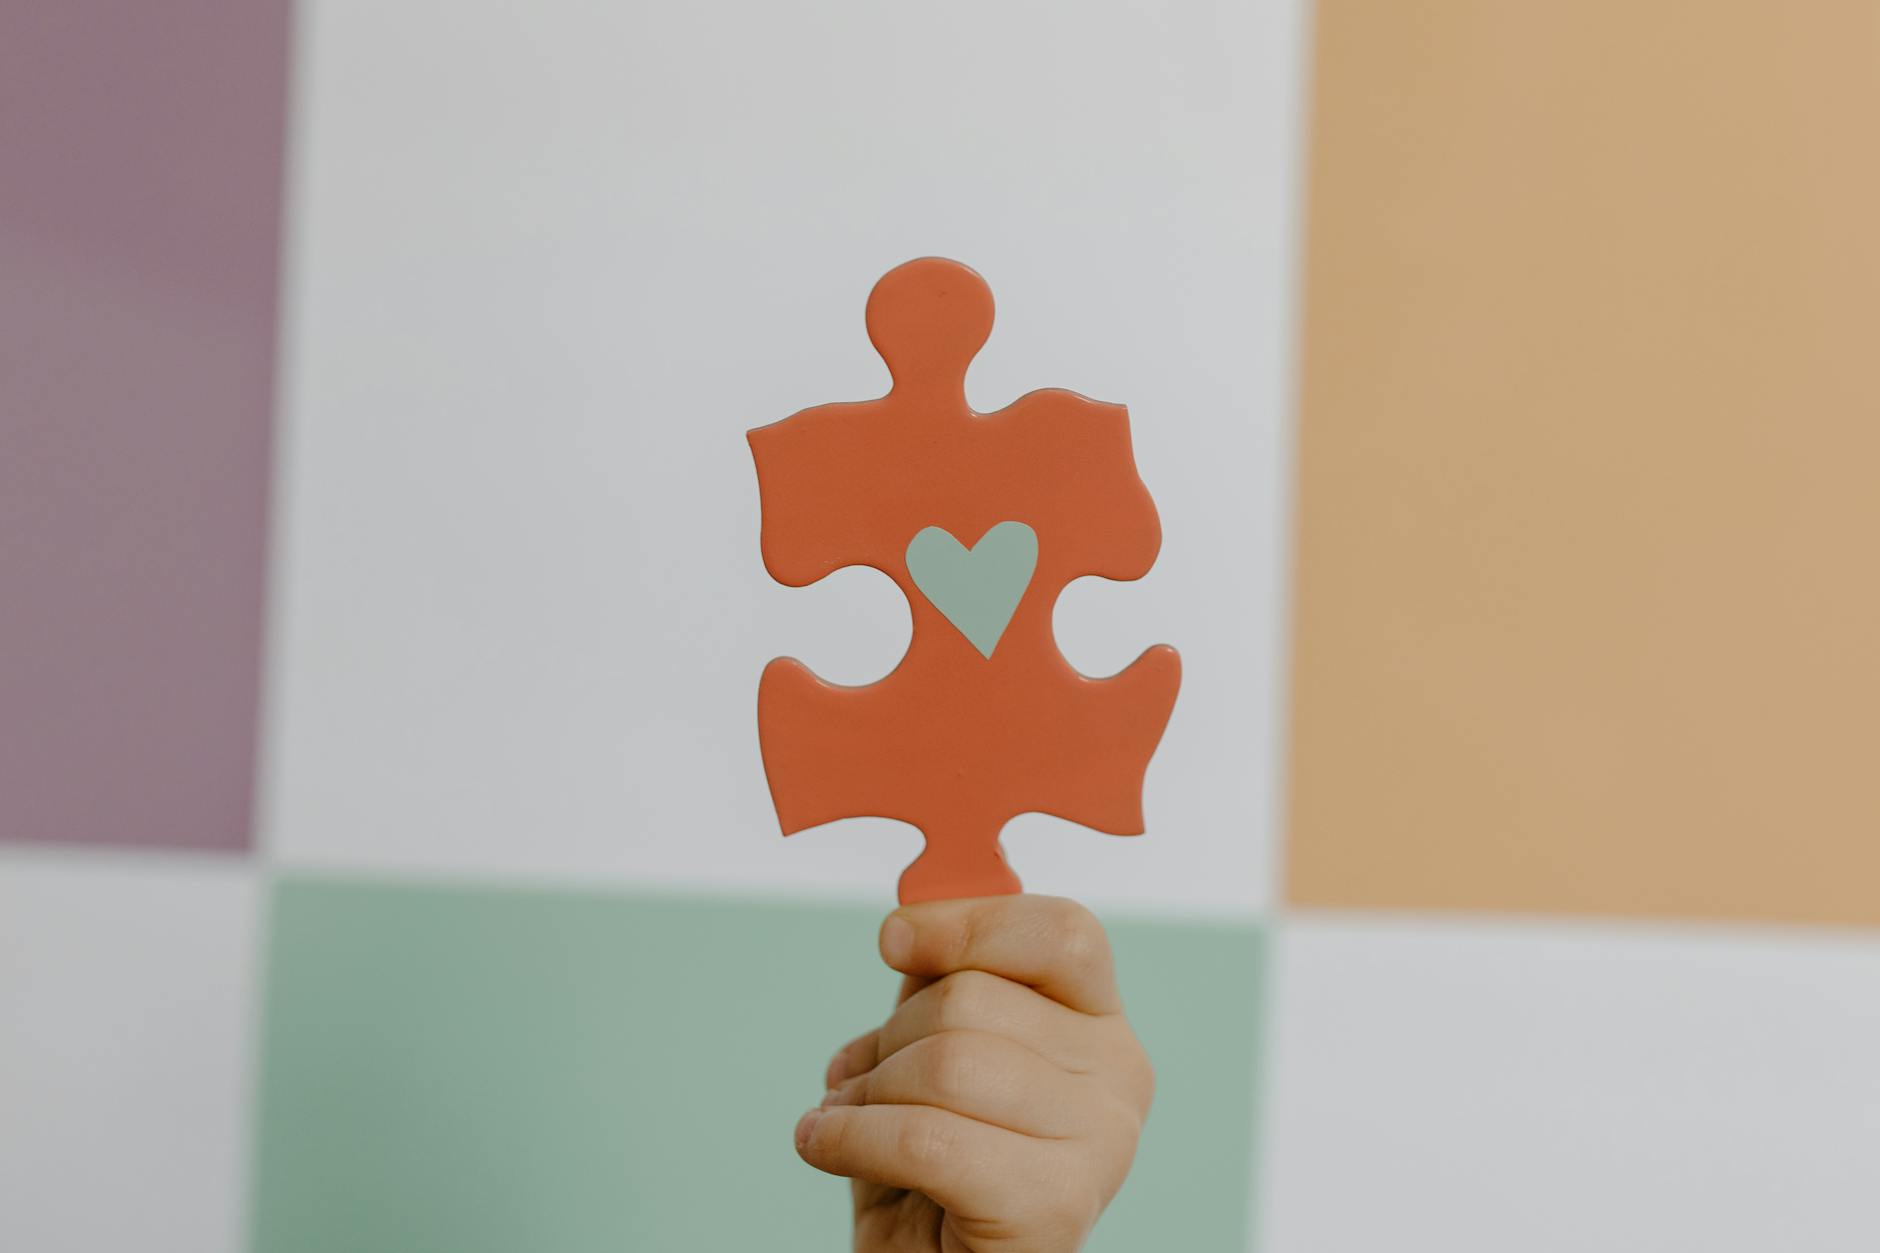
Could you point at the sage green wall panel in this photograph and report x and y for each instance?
(478, 1070)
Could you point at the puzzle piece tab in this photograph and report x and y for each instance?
(981, 519)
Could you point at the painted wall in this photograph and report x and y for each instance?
(1510, 847)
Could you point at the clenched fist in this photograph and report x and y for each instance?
(997, 1108)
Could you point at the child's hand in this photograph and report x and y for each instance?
(999, 1105)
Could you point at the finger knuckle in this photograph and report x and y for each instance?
(1069, 1195)
(951, 1064)
(1080, 937)
(961, 999)
(1145, 1085)
(923, 1141)
(968, 938)
(1139, 1073)
(859, 1090)
(830, 1138)
(1121, 1124)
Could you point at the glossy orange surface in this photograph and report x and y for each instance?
(954, 742)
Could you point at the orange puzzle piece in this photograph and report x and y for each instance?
(983, 719)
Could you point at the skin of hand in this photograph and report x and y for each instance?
(998, 1107)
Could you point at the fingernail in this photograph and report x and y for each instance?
(897, 941)
(805, 1125)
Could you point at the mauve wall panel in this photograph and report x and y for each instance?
(140, 184)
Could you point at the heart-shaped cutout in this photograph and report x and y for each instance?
(977, 589)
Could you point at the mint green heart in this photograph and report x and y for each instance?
(977, 588)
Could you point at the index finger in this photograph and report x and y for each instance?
(1045, 942)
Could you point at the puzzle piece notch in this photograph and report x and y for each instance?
(955, 741)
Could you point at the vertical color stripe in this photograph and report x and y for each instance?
(140, 147)
(1587, 603)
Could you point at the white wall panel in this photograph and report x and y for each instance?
(1477, 1087)
(126, 998)
(547, 264)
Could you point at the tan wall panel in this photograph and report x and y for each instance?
(1588, 612)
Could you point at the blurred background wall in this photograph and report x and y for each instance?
(385, 858)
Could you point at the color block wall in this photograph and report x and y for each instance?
(385, 857)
